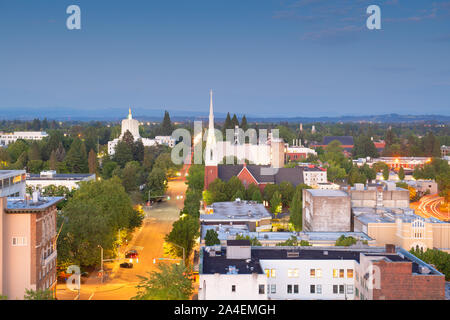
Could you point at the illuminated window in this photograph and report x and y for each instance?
(341, 273)
(318, 273)
(350, 273)
(267, 271)
(335, 273)
(319, 289)
(292, 273)
(312, 273)
(273, 273)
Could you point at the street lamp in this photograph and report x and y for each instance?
(183, 252)
(101, 263)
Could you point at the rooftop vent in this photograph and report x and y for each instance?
(292, 254)
(424, 270)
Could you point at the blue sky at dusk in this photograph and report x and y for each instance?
(260, 57)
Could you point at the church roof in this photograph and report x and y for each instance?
(292, 175)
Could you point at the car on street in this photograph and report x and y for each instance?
(127, 265)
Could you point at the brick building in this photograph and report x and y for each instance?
(27, 245)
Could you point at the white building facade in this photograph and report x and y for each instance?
(7, 138)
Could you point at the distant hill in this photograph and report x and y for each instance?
(146, 114)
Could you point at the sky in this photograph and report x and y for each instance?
(260, 57)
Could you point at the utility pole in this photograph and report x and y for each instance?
(184, 263)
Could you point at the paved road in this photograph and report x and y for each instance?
(428, 206)
(149, 242)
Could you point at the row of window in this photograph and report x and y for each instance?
(294, 289)
(19, 241)
(313, 273)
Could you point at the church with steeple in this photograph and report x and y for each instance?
(267, 153)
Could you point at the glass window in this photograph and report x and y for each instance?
(341, 288)
(341, 273)
(356, 292)
(349, 289)
(319, 288)
(335, 273)
(273, 273)
(335, 289)
(312, 288)
(273, 288)
(233, 288)
(318, 273)
(261, 289)
(295, 288)
(267, 271)
(312, 273)
(350, 273)
(289, 288)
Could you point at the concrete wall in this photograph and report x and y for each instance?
(218, 286)
(374, 198)
(321, 213)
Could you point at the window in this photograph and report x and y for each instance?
(273, 288)
(261, 289)
(312, 288)
(319, 289)
(312, 273)
(318, 273)
(295, 288)
(349, 289)
(341, 273)
(335, 273)
(273, 273)
(267, 271)
(292, 273)
(341, 288)
(356, 292)
(289, 288)
(335, 289)
(19, 241)
(350, 273)
(233, 288)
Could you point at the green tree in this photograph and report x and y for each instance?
(386, 173)
(92, 161)
(216, 192)
(76, 158)
(234, 121)
(269, 190)
(244, 124)
(184, 233)
(275, 203)
(157, 182)
(233, 186)
(257, 196)
(401, 174)
(211, 238)
(293, 242)
(364, 147)
(438, 258)
(286, 190)
(196, 177)
(296, 210)
(16, 149)
(170, 282)
(123, 153)
(166, 125)
(38, 294)
(254, 242)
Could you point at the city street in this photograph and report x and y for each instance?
(428, 206)
(148, 241)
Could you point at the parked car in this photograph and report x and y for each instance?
(127, 265)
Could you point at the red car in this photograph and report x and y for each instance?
(132, 254)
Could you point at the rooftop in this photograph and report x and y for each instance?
(327, 193)
(236, 210)
(20, 204)
(389, 215)
(218, 263)
(59, 176)
(10, 173)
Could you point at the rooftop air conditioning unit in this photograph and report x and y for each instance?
(325, 253)
(292, 254)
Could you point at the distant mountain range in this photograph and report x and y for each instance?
(145, 114)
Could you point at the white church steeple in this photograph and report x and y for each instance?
(210, 150)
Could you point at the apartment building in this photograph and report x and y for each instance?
(47, 178)
(7, 138)
(27, 245)
(12, 183)
(239, 271)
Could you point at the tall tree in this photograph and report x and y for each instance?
(275, 203)
(227, 125)
(166, 125)
(53, 162)
(211, 238)
(92, 161)
(401, 174)
(76, 158)
(184, 232)
(244, 124)
(170, 282)
(234, 121)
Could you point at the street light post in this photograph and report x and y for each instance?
(183, 252)
(101, 261)
(149, 198)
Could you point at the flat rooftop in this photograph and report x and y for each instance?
(10, 173)
(220, 264)
(225, 232)
(60, 176)
(388, 215)
(20, 204)
(327, 193)
(236, 210)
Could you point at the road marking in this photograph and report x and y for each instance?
(92, 295)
